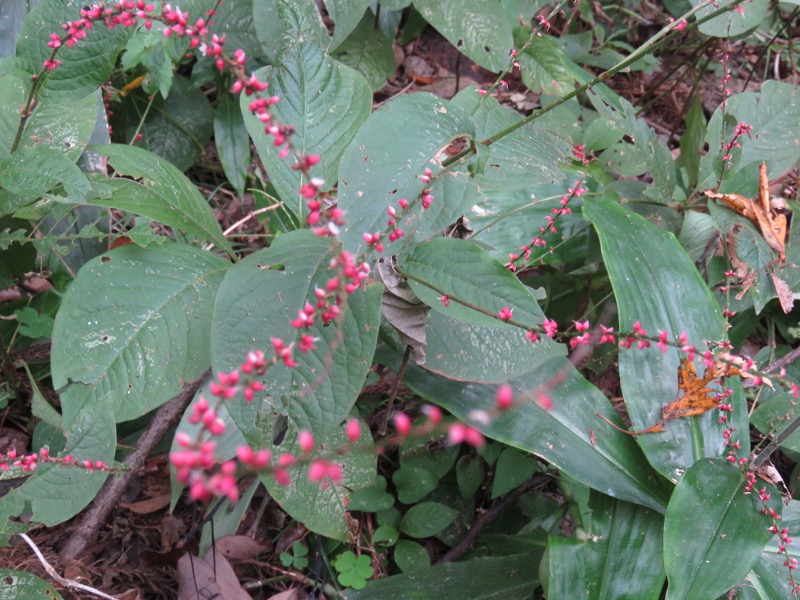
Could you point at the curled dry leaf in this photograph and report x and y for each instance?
(402, 308)
(769, 221)
(209, 577)
(694, 396)
(239, 547)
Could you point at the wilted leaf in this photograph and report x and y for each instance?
(402, 308)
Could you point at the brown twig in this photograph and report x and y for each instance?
(490, 515)
(109, 495)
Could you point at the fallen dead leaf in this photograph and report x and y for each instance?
(209, 577)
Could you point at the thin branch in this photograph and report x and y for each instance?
(112, 491)
(490, 515)
(68, 583)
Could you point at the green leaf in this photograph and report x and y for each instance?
(368, 51)
(470, 473)
(56, 493)
(312, 89)
(176, 128)
(280, 23)
(611, 463)
(13, 92)
(426, 519)
(513, 469)
(471, 278)
(463, 343)
(383, 164)
(481, 32)
(732, 23)
(346, 15)
(645, 262)
(773, 415)
(321, 509)
(65, 128)
(774, 114)
(767, 580)
(135, 324)
(411, 557)
(692, 142)
(413, 484)
(21, 584)
(385, 535)
(235, 20)
(161, 193)
(543, 65)
(489, 578)
(30, 173)
(622, 557)
(233, 145)
(713, 531)
(516, 156)
(86, 66)
(256, 303)
(371, 499)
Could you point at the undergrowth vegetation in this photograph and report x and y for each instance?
(528, 336)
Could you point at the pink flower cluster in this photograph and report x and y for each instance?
(28, 462)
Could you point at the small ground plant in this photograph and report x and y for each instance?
(514, 334)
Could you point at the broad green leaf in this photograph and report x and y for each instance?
(529, 156)
(413, 484)
(774, 114)
(490, 578)
(608, 461)
(56, 493)
(21, 584)
(166, 193)
(772, 416)
(470, 472)
(65, 128)
(233, 145)
(480, 30)
(385, 160)
(543, 65)
(621, 558)
(472, 279)
(235, 20)
(657, 284)
(640, 151)
(346, 15)
(176, 128)
(731, 23)
(411, 557)
(513, 468)
(312, 89)
(256, 302)
(463, 343)
(280, 23)
(12, 98)
(692, 142)
(322, 509)
(135, 324)
(373, 498)
(368, 51)
(86, 66)
(503, 219)
(426, 519)
(29, 173)
(713, 531)
(767, 580)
